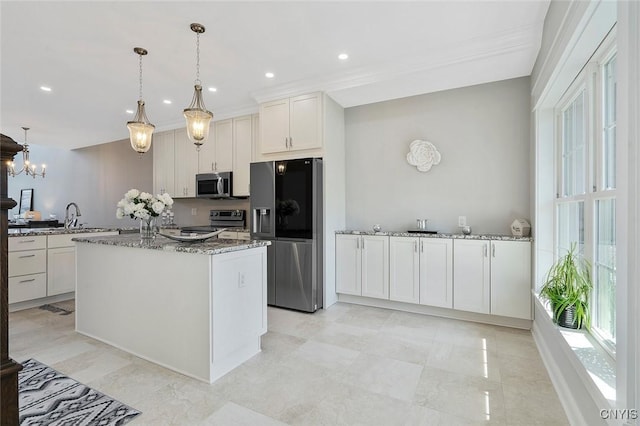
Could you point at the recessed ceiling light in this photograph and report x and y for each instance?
(269, 75)
(45, 88)
(167, 101)
(213, 89)
(129, 111)
(343, 56)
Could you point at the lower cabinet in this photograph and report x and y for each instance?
(421, 271)
(362, 265)
(511, 279)
(42, 266)
(61, 270)
(493, 277)
(471, 291)
(484, 276)
(27, 268)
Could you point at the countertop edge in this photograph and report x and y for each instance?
(494, 237)
(212, 246)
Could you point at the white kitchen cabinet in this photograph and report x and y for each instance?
(163, 163)
(471, 274)
(61, 261)
(242, 150)
(493, 277)
(27, 267)
(421, 271)
(291, 124)
(216, 154)
(404, 269)
(362, 265)
(186, 165)
(436, 272)
(511, 279)
(61, 270)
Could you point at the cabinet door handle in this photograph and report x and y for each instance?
(493, 250)
(485, 250)
(27, 281)
(286, 142)
(212, 168)
(26, 255)
(415, 246)
(215, 165)
(26, 241)
(291, 142)
(421, 246)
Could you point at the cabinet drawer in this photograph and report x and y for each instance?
(244, 236)
(228, 235)
(27, 243)
(27, 287)
(27, 262)
(64, 240)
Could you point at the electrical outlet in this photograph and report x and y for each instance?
(462, 221)
(194, 211)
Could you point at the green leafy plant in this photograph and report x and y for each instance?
(568, 286)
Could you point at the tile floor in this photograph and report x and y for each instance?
(346, 365)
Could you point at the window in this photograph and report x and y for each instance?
(586, 179)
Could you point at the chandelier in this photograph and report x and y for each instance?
(140, 129)
(28, 168)
(197, 116)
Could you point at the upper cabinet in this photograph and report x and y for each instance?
(216, 154)
(229, 148)
(185, 165)
(163, 163)
(292, 125)
(242, 149)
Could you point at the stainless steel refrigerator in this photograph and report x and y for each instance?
(286, 208)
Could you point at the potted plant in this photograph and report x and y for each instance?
(568, 287)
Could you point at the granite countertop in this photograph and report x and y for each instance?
(208, 247)
(439, 235)
(23, 232)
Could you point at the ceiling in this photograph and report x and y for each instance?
(83, 51)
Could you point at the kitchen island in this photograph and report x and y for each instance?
(197, 308)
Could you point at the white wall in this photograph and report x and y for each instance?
(95, 178)
(482, 134)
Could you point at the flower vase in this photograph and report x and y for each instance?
(148, 229)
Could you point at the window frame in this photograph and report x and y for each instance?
(590, 80)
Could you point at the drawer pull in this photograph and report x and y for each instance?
(26, 255)
(27, 281)
(26, 241)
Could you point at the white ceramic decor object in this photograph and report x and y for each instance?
(423, 155)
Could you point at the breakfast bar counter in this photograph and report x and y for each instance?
(197, 308)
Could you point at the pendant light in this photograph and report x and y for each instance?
(140, 129)
(197, 116)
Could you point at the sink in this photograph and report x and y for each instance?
(421, 231)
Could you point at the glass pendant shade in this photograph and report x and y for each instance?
(198, 118)
(140, 130)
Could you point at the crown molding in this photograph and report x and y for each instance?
(494, 45)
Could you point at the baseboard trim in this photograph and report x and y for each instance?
(438, 312)
(28, 304)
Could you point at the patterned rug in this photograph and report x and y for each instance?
(47, 397)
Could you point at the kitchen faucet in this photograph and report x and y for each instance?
(73, 221)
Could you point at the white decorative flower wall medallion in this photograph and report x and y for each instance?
(423, 155)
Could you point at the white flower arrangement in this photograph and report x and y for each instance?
(142, 205)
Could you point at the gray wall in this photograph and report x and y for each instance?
(482, 134)
(96, 178)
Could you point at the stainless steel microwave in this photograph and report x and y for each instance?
(214, 185)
